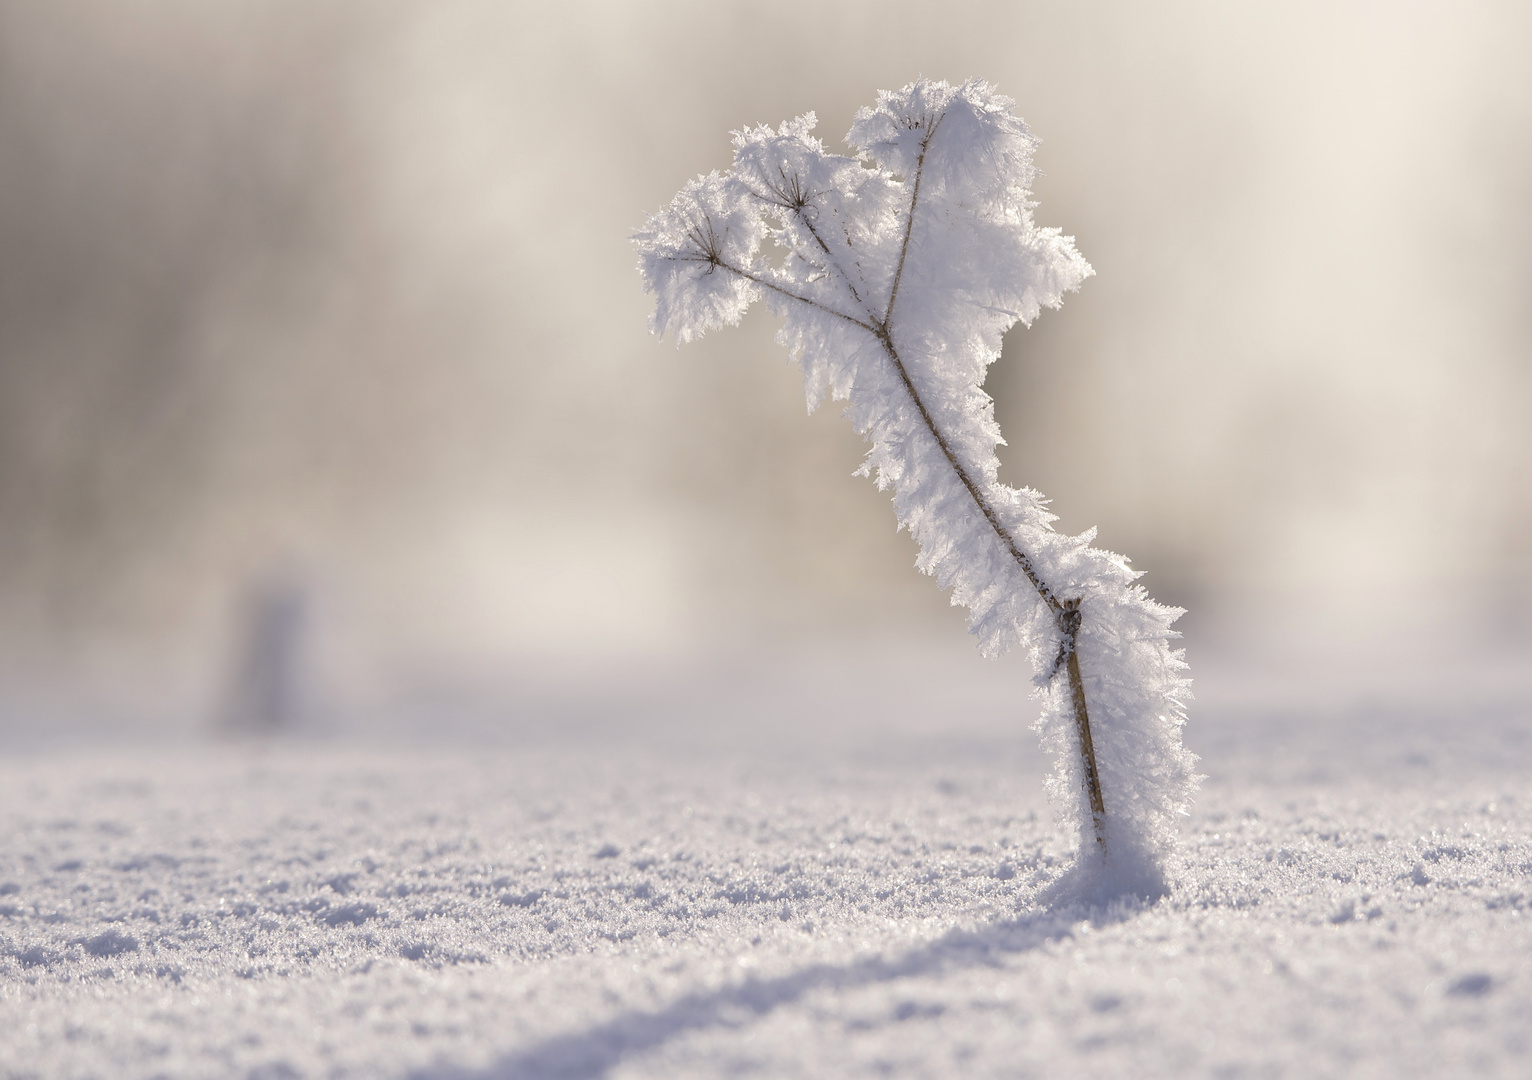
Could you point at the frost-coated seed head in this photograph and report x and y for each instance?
(902, 269)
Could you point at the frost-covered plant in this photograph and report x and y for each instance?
(901, 270)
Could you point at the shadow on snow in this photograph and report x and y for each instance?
(591, 1053)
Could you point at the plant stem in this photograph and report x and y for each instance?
(1082, 725)
(1066, 613)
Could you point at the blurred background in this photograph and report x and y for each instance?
(326, 395)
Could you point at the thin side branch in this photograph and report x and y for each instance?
(792, 197)
(829, 258)
(748, 276)
(909, 225)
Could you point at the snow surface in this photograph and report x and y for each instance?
(1355, 899)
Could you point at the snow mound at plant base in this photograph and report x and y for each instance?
(606, 910)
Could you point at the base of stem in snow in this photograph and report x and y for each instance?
(1071, 617)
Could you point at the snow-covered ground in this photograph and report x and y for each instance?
(809, 900)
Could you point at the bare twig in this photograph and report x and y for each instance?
(1082, 723)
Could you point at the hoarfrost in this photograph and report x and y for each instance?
(901, 269)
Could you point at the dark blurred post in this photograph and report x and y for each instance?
(265, 694)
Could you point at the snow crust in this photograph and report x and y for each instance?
(901, 270)
(1353, 901)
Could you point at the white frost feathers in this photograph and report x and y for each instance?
(903, 268)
